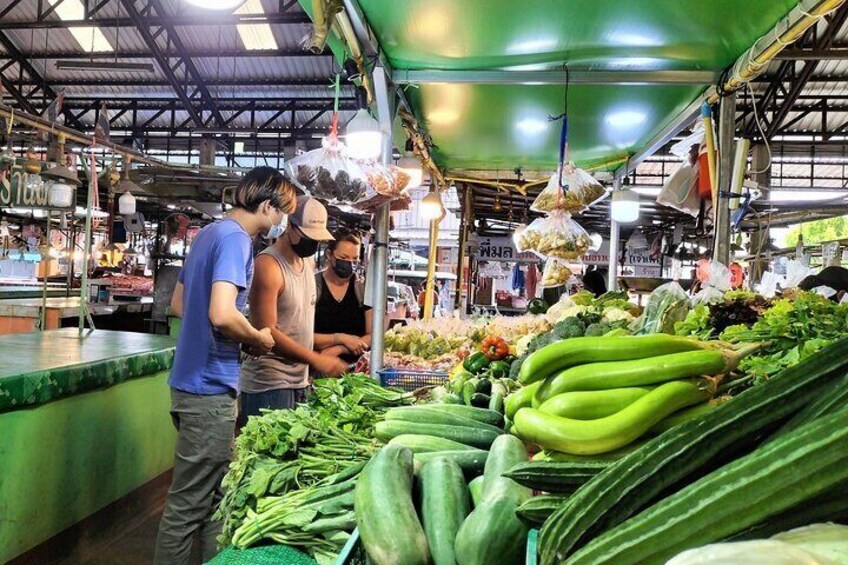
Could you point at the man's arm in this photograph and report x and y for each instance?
(177, 301)
(224, 315)
(267, 286)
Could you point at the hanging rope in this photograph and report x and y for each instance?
(563, 135)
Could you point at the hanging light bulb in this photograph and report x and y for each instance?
(625, 206)
(411, 165)
(637, 241)
(497, 207)
(364, 140)
(431, 207)
(62, 182)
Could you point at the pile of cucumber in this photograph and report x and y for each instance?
(594, 395)
(411, 514)
(774, 458)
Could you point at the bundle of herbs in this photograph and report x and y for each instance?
(738, 307)
(286, 450)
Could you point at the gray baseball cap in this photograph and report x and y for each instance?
(310, 217)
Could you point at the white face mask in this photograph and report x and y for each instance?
(276, 230)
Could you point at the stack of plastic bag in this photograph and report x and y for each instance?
(667, 305)
(717, 283)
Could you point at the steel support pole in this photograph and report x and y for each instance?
(91, 173)
(380, 250)
(463, 243)
(612, 276)
(431, 269)
(726, 129)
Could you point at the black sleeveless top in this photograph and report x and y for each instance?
(345, 317)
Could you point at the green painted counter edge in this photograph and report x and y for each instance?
(61, 462)
(39, 387)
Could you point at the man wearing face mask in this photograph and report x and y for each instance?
(342, 321)
(283, 298)
(210, 297)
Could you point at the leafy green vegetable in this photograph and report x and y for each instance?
(696, 324)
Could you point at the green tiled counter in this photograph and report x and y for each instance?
(84, 422)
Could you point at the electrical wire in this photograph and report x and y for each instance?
(760, 128)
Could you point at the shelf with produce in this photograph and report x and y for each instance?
(599, 405)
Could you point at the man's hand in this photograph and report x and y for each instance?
(329, 366)
(263, 343)
(353, 344)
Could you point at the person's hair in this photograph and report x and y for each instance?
(265, 183)
(344, 234)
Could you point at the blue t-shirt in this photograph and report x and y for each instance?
(206, 362)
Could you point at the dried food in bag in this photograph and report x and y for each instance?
(574, 191)
(328, 174)
(556, 235)
(556, 273)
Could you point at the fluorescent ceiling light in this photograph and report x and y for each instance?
(104, 66)
(90, 38)
(806, 195)
(532, 125)
(255, 36)
(626, 118)
(217, 4)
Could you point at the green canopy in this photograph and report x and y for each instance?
(501, 126)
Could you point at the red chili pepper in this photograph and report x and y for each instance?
(495, 348)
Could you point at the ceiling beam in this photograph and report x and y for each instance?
(274, 82)
(195, 54)
(811, 54)
(824, 41)
(557, 77)
(208, 18)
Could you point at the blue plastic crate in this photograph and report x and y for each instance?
(411, 379)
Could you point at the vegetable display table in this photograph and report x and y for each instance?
(85, 421)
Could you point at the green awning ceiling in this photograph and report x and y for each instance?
(482, 126)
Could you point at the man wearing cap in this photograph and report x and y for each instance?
(282, 298)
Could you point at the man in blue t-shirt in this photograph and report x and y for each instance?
(210, 297)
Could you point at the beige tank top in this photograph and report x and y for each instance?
(296, 319)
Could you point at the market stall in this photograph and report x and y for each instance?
(85, 423)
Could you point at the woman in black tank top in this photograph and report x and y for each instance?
(342, 322)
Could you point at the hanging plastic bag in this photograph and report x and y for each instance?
(768, 284)
(384, 185)
(796, 271)
(716, 284)
(328, 174)
(570, 189)
(556, 273)
(667, 305)
(680, 191)
(556, 235)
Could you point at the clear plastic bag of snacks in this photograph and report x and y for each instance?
(385, 184)
(556, 273)
(556, 235)
(574, 191)
(329, 174)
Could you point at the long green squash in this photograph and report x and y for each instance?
(687, 451)
(479, 414)
(444, 506)
(535, 511)
(385, 513)
(426, 444)
(428, 415)
(591, 404)
(556, 476)
(790, 470)
(555, 357)
(831, 400)
(389, 429)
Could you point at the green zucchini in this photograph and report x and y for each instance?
(790, 470)
(688, 450)
(638, 373)
(492, 535)
(496, 401)
(385, 514)
(475, 488)
(425, 444)
(536, 510)
(555, 357)
(591, 405)
(444, 507)
(506, 452)
(587, 437)
(521, 398)
(389, 429)
(609, 457)
(486, 416)
(429, 415)
(556, 476)
(471, 462)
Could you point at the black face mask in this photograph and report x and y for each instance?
(305, 247)
(343, 268)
